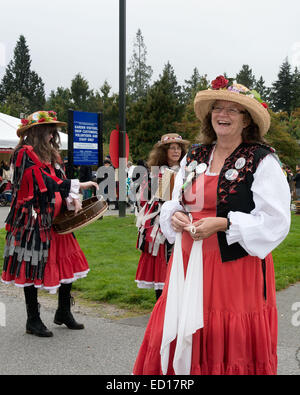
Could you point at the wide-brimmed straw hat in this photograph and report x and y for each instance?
(223, 89)
(38, 118)
(170, 138)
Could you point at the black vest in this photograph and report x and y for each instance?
(234, 194)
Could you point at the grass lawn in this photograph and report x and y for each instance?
(109, 246)
(287, 257)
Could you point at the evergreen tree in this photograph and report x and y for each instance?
(109, 105)
(20, 79)
(168, 84)
(15, 104)
(194, 84)
(60, 101)
(246, 77)
(139, 74)
(282, 89)
(296, 89)
(156, 114)
(261, 88)
(36, 92)
(80, 93)
(105, 89)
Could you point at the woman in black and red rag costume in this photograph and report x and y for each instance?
(35, 256)
(230, 208)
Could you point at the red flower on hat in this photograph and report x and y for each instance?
(265, 105)
(219, 83)
(42, 120)
(24, 122)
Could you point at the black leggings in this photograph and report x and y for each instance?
(158, 292)
(31, 293)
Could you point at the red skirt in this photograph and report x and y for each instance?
(151, 270)
(66, 262)
(239, 336)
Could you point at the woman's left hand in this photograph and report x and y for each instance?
(206, 227)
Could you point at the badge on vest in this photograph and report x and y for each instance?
(240, 163)
(201, 168)
(231, 174)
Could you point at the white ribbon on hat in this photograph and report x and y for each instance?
(184, 308)
(173, 138)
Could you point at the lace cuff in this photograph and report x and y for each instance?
(73, 194)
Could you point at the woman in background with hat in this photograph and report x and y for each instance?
(35, 256)
(230, 208)
(152, 266)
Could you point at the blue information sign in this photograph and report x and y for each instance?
(85, 138)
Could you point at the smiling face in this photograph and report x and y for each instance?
(174, 154)
(228, 119)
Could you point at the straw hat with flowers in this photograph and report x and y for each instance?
(170, 138)
(38, 118)
(225, 89)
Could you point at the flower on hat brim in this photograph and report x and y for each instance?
(39, 117)
(219, 83)
(222, 83)
(24, 122)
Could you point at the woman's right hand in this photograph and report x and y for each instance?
(179, 221)
(77, 205)
(87, 185)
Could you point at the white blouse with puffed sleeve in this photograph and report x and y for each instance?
(258, 232)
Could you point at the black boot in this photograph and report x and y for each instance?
(63, 314)
(34, 324)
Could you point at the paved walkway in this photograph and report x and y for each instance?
(107, 346)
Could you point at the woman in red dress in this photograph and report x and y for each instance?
(152, 266)
(35, 256)
(230, 208)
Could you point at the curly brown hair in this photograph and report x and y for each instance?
(250, 134)
(37, 137)
(159, 155)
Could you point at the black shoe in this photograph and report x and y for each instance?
(34, 324)
(63, 314)
(66, 317)
(37, 328)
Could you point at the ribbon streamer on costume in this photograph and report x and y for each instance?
(184, 308)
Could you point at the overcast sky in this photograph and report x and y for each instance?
(66, 37)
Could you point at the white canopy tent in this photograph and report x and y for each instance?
(9, 138)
